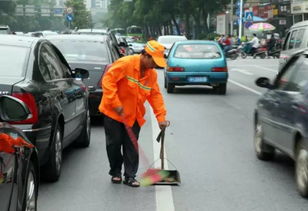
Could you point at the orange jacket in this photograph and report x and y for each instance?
(123, 86)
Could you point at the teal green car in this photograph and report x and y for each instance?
(196, 62)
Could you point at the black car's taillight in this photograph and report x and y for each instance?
(99, 84)
(29, 100)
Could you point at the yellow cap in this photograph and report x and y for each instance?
(156, 50)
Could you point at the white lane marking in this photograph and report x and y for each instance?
(241, 71)
(163, 193)
(266, 68)
(245, 87)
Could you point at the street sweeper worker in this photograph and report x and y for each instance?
(129, 82)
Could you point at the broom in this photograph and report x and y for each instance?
(152, 175)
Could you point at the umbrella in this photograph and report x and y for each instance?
(259, 27)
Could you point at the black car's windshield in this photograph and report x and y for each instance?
(83, 50)
(197, 51)
(12, 60)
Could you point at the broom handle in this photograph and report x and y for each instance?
(162, 149)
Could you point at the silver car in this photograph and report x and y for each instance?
(295, 41)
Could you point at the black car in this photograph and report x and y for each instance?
(19, 165)
(92, 52)
(34, 71)
(112, 38)
(281, 117)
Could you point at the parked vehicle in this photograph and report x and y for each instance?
(136, 32)
(169, 40)
(296, 40)
(281, 120)
(19, 165)
(135, 47)
(5, 29)
(197, 62)
(94, 53)
(123, 45)
(113, 40)
(57, 99)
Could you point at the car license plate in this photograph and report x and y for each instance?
(197, 79)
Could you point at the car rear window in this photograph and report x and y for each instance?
(12, 60)
(83, 50)
(197, 51)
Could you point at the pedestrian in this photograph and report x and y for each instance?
(128, 83)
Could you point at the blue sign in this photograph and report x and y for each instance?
(249, 16)
(69, 17)
(237, 12)
(238, 4)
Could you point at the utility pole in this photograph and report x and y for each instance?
(231, 18)
(241, 20)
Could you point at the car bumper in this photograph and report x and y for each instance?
(205, 78)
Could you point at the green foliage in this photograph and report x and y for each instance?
(153, 15)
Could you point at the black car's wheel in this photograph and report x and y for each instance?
(170, 88)
(53, 167)
(301, 169)
(31, 192)
(221, 89)
(263, 150)
(84, 138)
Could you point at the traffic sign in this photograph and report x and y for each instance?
(69, 10)
(69, 17)
(249, 16)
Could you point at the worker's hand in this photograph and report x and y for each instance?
(164, 124)
(119, 110)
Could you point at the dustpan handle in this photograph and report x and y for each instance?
(162, 148)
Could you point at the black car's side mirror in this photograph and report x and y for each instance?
(80, 73)
(264, 82)
(13, 109)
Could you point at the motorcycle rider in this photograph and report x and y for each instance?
(227, 44)
(255, 44)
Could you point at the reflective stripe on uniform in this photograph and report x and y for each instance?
(138, 83)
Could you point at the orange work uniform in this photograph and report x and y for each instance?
(123, 86)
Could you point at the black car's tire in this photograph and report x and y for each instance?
(52, 169)
(221, 89)
(83, 139)
(31, 190)
(301, 169)
(263, 150)
(243, 55)
(170, 88)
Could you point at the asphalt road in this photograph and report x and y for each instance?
(210, 143)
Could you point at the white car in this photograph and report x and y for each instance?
(168, 40)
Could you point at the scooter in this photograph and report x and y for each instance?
(232, 53)
(246, 50)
